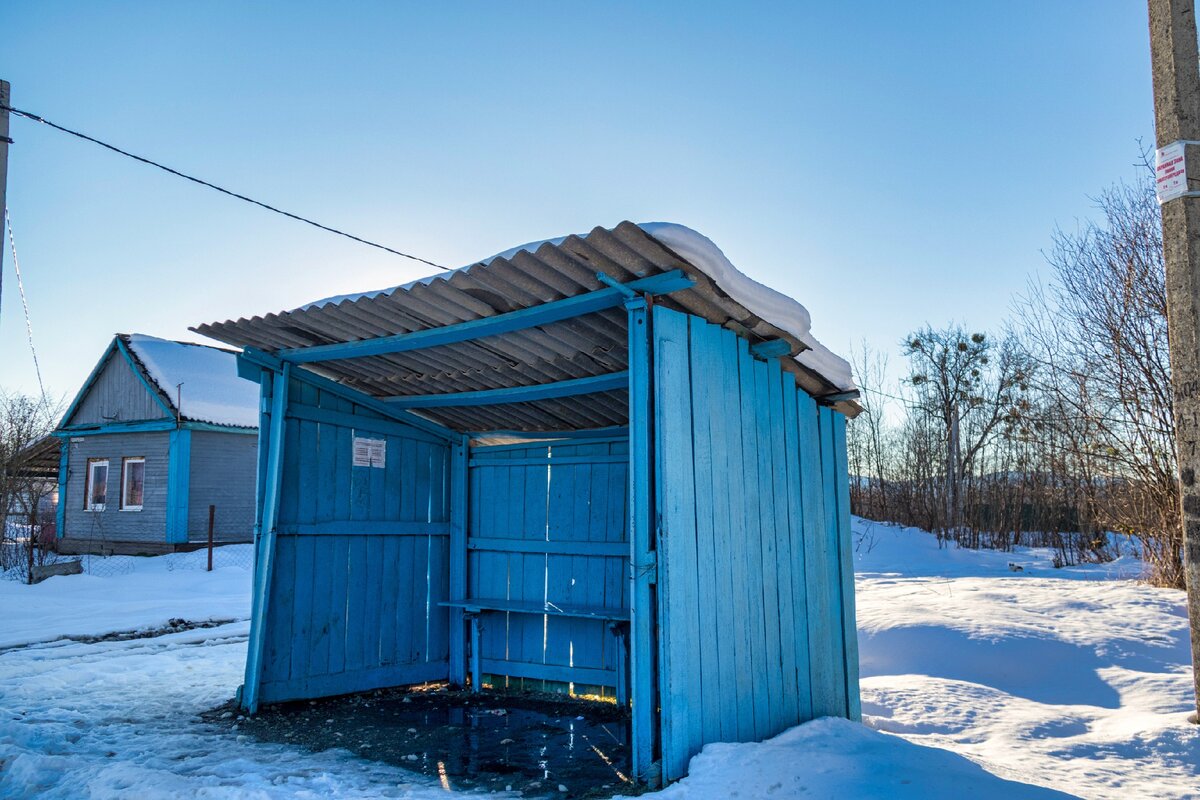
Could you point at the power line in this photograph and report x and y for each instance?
(21, 289)
(185, 176)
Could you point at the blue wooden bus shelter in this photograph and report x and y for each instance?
(582, 462)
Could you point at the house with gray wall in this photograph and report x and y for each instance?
(159, 432)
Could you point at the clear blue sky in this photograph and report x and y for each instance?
(888, 164)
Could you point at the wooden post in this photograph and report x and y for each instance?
(642, 563)
(458, 559)
(1175, 64)
(212, 513)
(31, 539)
(264, 554)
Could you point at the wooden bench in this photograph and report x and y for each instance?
(617, 619)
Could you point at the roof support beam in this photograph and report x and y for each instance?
(771, 348)
(516, 394)
(544, 314)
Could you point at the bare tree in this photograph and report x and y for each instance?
(970, 386)
(25, 422)
(1098, 328)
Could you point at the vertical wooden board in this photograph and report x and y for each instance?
(833, 565)
(356, 578)
(327, 472)
(816, 562)
(846, 559)
(788, 563)
(393, 475)
(289, 485)
(344, 472)
(403, 619)
(418, 592)
(682, 730)
(761, 412)
(320, 604)
(389, 597)
(730, 444)
(339, 569)
(799, 556)
(301, 634)
(757, 497)
(439, 493)
(707, 474)
(437, 623)
(421, 470)
(560, 518)
(712, 363)
(410, 501)
(511, 512)
(528, 632)
(307, 473)
(372, 617)
(279, 638)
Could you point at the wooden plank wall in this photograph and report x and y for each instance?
(755, 582)
(362, 555)
(546, 499)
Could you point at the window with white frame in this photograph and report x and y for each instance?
(97, 484)
(133, 483)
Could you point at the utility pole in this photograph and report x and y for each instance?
(5, 96)
(1175, 63)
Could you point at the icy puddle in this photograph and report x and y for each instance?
(532, 745)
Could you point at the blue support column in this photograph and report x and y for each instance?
(458, 561)
(268, 513)
(642, 557)
(179, 474)
(60, 511)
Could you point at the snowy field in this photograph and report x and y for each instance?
(978, 682)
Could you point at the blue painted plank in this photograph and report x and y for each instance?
(389, 597)
(641, 535)
(771, 719)
(357, 588)
(179, 471)
(797, 543)
(298, 607)
(789, 555)
(338, 590)
(521, 319)
(846, 557)
(679, 596)
(322, 603)
(712, 700)
(816, 558)
(755, 476)
(458, 564)
(833, 561)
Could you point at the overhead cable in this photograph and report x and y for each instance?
(222, 190)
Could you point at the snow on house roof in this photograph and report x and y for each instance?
(774, 307)
(201, 380)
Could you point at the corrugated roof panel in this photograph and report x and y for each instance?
(590, 345)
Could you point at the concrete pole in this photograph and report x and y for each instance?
(1175, 64)
(5, 97)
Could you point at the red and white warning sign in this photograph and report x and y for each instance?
(1170, 172)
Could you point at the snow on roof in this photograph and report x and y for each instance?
(204, 379)
(786, 313)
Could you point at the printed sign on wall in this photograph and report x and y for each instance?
(370, 452)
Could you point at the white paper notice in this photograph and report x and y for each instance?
(1170, 172)
(370, 452)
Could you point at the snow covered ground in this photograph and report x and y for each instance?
(978, 682)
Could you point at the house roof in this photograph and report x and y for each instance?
(198, 381)
(581, 347)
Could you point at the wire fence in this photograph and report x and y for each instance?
(35, 546)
